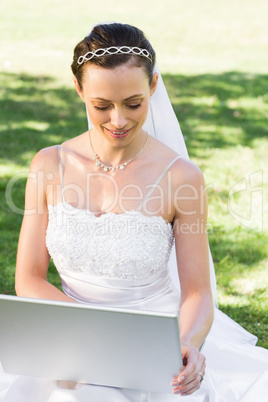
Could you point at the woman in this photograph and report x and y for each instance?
(111, 201)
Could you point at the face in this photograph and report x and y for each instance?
(117, 101)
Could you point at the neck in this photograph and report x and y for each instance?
(112, 155)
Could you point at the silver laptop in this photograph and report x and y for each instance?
(91, 344)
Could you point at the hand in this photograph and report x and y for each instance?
(191, 377)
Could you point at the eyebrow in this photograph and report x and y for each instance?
(129, 98)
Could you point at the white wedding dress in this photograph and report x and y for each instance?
(122, 260)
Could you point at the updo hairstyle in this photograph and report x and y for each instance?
(107, 35)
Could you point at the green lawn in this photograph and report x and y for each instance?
(214, 58)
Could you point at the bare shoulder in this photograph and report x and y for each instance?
(189, 191)
(183, 170)
(46, 160)
(157, 147)
(186, 172)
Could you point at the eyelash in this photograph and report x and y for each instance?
(105, 108)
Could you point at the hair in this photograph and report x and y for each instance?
(107, 35)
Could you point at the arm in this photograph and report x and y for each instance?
(32, 256)
(196, 311)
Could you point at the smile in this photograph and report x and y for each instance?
(116, 134)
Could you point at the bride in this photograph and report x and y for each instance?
(108, 206)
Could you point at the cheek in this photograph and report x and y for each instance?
(142, 112)
(96, 117)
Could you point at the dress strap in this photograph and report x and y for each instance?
(61, 173)
(156, 183)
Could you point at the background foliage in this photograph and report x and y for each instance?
(213, 55)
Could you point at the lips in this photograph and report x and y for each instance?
(118, 133)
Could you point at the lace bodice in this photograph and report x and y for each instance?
(127, 246)
(119, 259)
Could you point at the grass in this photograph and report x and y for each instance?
(214, 70)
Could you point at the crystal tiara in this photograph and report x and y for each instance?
(114, 50)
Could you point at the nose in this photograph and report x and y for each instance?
(118, 118)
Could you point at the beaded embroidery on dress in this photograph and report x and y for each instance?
(127, 246)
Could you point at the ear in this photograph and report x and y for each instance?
(78, 89)
(153, 85)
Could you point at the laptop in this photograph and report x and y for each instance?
(90, 344)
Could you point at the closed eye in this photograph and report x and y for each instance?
(107, 107)
(100, 108)
(134, 106)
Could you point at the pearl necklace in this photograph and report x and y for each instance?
(106, 168)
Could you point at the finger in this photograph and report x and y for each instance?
(202, 371)
(190, 373)
(189, 379)
(187, 372)
(189, 368)
(183, 377)
(189, 388)
(190, 383)
(191, 359)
